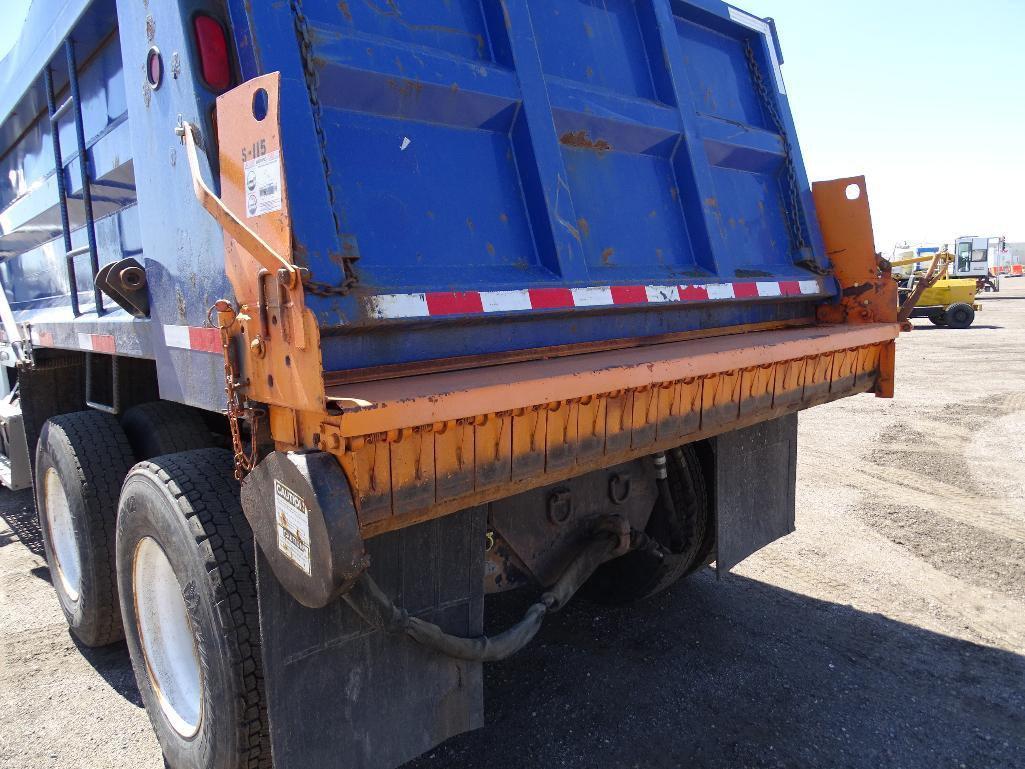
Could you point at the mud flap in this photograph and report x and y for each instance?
(341, 695)
(755, 486)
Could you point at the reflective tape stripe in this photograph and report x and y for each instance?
(197, 338)
(440, 304)
(97, 343)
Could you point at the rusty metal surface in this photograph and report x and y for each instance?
(868, 293)
(601, 412)
(277, 337)
(439, 398)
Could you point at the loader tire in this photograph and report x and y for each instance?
(165, 427)
(639, 574)
(960, 315)
(938, 318)
(81, 460)
(186, 571)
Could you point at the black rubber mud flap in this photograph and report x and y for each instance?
(343, 696)
(755, 485)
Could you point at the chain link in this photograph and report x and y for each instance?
(794, 226)
(312, 76)
(245, 461)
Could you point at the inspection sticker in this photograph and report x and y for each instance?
(263, 184)
(293, 520)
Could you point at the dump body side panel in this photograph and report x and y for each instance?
(183, 246)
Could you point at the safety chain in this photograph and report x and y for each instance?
(312, 76)
(244, 461)
(794, 226)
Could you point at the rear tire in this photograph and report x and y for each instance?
(640, 575)
(186, 572)
(165, 427)
(937, 318)
(81, 460)
(960, 315)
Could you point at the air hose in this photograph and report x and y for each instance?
(612, 538)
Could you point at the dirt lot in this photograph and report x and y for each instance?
(888, 632)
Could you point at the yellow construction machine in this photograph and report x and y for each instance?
(932, 294)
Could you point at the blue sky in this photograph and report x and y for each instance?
(924, 97)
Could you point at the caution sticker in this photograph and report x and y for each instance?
(293, 521)
(263, 184)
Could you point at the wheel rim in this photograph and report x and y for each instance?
(62, 535)
(167, 640)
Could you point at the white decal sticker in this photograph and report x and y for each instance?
(263, 184)
(293, 521)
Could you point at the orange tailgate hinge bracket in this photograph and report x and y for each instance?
(276, 336)
(868, 291)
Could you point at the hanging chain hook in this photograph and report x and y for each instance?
(245, 460)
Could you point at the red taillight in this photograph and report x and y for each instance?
(212, 47)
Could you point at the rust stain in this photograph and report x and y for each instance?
(393, 11)
(653, 214)
(406, 87)
(343, 6)
(588, 30)
(581, 140)
(491, 248)
(674, 193)
(607, 254)
(585, 227)
(711, 202)
(504, 218)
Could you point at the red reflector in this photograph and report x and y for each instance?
(213, 52)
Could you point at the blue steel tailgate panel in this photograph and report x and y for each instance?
(482, 148)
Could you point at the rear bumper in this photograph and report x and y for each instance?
(423, 446)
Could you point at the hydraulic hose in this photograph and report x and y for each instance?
(378, 610)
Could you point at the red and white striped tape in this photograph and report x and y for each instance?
(198, 339)
(97, 343)
(441, 303)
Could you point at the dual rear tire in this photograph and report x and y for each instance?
(687, 539)
(160, 554)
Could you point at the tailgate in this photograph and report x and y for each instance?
(464, 176)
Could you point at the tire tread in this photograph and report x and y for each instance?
(206, 494)
(101, 456)
(165, 427)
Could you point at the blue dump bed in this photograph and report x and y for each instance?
(516, 175)
(468, 179)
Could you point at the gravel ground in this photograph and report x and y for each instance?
(888, 632)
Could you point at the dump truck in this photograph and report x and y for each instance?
(325, 321)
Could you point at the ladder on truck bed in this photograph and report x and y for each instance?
(74, 104)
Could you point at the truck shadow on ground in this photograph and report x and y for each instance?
(726, 674)
(18, 511)
(742, 674)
